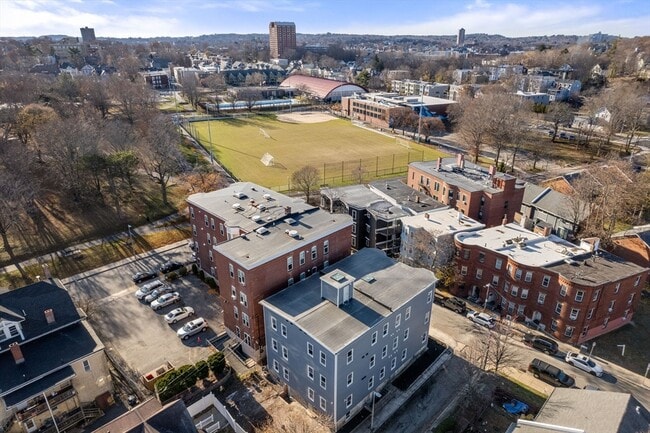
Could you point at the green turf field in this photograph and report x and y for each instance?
(336, 147)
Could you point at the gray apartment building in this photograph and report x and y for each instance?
(339, 336)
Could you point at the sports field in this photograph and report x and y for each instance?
(343, 152)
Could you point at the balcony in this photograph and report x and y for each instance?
(39, 405)
(70, 419)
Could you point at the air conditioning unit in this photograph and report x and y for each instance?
(262, 231)
(256, 218)
(261, 207)
(239, 194)
(267, 196)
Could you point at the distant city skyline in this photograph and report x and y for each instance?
(158, 18)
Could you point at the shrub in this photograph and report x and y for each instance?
(171, 276)
(211, 282)
(217, 363)
(201, 275)
(195, 269)
(202, 369)
(176, 381)
(183, 271)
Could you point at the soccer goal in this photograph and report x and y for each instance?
(264, 133)
(267, 159)
(403, 143)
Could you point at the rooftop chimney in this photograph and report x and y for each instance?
(439, 164)
(460, 161)
(49, 316)
(491, 171)
(17, 353)
(504, 221)
(287, 210)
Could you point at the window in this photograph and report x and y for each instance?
(285, 373)
(245, 320)
(553, 325)
(212, 223)
(546, 281)
(285, 353)
(605, 322)
(289, 264)
(372, 361)
(514, 290)
(568, 331)
(636, 282)
(426, 316)
(354, 215)
(237, 331)
(611, 305)
(630, 299)
(243, 299)
(314, 252)
(350, 356)
(406, 334)
(407, 315)
(524, 293)
(373, 338)
(481, 257)
(86, 365)
(479, 274)
(274, 323)
(350, 379)
(205, 219)
(495, 280)
(626, 313)
(506, 287)
(382, 373)
(575, 312)
(393, 363)
(463, 270)
(241, 277)
(323, 359)
(290, 282)
(429, 297)
(192, 212)
(617, 287)
(529, 277)
(194, 229)
(276, 365)
(323, 403)
(326, 247)
(558, 308)
(520, 310)
(424, 337)
(310, 349)
(221, 229)
(384, 351)
(236, 312)
(302, 258)
(395, 342)
(595, 297)
(371, 382)
(274, 344)
(310, 394)
(590, 313)
(310, 372)
(498, 264)
(563, 290)
(518, 273)
(466, 254)
(385, 331)
(348, 401)
(540, 298)
(398, 320)
(323, 382)
(210, 255)
(233, 292)
(231, 270)
(580, 294)
(283, 330)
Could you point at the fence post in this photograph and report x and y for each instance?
(377, 167)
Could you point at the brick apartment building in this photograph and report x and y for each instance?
(257, 242)
(573, 292)
(483, 195)
(282, 39)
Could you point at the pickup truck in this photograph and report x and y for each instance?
(550, 373)
(455, 304)
(540, 343)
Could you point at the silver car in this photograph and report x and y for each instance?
(584, 362)
(193, 327)
(157, 293)
(143, 291)
(165, 300)
(179, 314)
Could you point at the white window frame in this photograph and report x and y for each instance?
(289, 263)
(546, 281)
(301, 258)
(575, 312)
(310, 394)
(283, 330)
(384, 351)
(241, 277)
(382, 373)
(274, 323)
(524, 293)
(350, 378)
(385, 329)
(498, 264)
(558, 306)
(323, 403)
(404, 353)
(580, 295)
(372, 361)
(314, 253)
(528, 277)
(406, 334)
(371, 382)
(323, 359)
(322, 381)
(276, 366)
(310, 349)
(373, 338)
(326, 247)
(350, 356)
(310, 372)
(274, 344)
(407, 314)
(243, 299)
(541, 298)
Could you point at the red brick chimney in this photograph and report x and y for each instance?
(17, 353)
(49, 316)
(439, 164)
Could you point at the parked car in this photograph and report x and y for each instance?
(455, 304)
(482, 319)
(179, 314)
(584, 362)
(156, 293)
(144, 276)
(165, 300)
(193, 327)
(515, 407)
(170, 266)
(143, 291)
(550, 373)
(540, 343)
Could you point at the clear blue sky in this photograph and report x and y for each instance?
(151, 18)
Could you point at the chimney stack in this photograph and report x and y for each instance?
(492, 170)
(460, 161)
(504, 221)
(17, 353)
(49, 316)
(287, 210)
(439, 164)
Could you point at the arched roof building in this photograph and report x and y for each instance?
(322, 88)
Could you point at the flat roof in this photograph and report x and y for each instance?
(442, 221)
(405, 196)
(387, 286)
(596, 269)
(281, 237)
(508, 240)
(254, 200)
(471, 178)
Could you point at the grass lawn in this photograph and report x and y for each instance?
(239, 144)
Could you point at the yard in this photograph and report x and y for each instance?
(343, 152)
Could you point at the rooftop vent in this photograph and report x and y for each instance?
(369, 278)
(338, 277)
(292, 233)
(237, 206)
(290, 221)
(256, 218)
(261, 207)
(240, 195)
(262, 231)
(267, 196)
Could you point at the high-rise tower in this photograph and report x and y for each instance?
(282, 38)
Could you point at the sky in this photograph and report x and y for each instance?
(154, 18)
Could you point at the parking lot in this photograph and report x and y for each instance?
(140, 335)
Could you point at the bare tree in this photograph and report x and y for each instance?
(133, 100)
(190, 89)
(97, 94)
(29, 120)
(204, 179)
(306, 180)
(558, 113)
(473, 117)
(250, 96)
(16, 195)
(255, 79)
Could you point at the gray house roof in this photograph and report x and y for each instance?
(552, 202)
(382, 285)
(591, 411)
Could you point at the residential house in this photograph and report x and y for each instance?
(575, 293)
(53, 370)
(152, 417)
(483, 195)
(633, 245)
(338, 337)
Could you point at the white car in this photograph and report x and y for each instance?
(143, 291)
(165, 300)
(482, 319)
(179, 314)
(193, 327)
(156, 293)
(585, 363)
